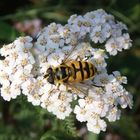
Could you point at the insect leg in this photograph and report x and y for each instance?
(58, 86)
(97, 86)
(67, 88)
(50, 91)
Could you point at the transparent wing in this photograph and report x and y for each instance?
(82, 87)
(77, 88)
(128, 100)
(75, 52)
(68, 57)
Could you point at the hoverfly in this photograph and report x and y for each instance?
(73, 72)
(70, 72)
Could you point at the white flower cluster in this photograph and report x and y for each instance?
(16, 68)
(24, 67)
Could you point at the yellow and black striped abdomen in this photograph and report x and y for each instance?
(81, 70)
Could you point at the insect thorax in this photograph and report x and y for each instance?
(62, 73)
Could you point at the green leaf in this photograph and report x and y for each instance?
(58, 135)
(7, 32)
(127, 127)
(55, 16)
(69, 125)
(48, 137)
(92, 136)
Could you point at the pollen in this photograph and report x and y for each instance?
(62, 108)
(5, 63)
(43, 42)
(36, 96)
(23, 77)
(113, 45)
(62, 97)
(24, 62)
(104, 80)
(47, 102)
(89, 100)
(83, 111)
(97, 34)
(14, 55)
(94, 115)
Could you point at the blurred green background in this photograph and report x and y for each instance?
(19, 120)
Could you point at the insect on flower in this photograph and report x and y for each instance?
(65, 63)
(74, 74)
(70, 72)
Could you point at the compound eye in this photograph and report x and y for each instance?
(49, 70)
(50, 80)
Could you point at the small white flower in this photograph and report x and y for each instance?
(95, 93)
(45, 102)
(34, 98)
(96, 128)
(114, 114)
(22, 42)
(62, 111)
(5, 93)
(124, 41)
(41, 43)
(7, 49)
(72, 18)
(81, 113)
(15, 89)
(112, 46)
(103, 79)
(106, 31)
(97, 17)
(99, 107)
(28, 86)
(79, 25)
(4, 78)
(96, 35)
(120, 79)
(114, 88)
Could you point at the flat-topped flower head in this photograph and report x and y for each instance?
(68, 63)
